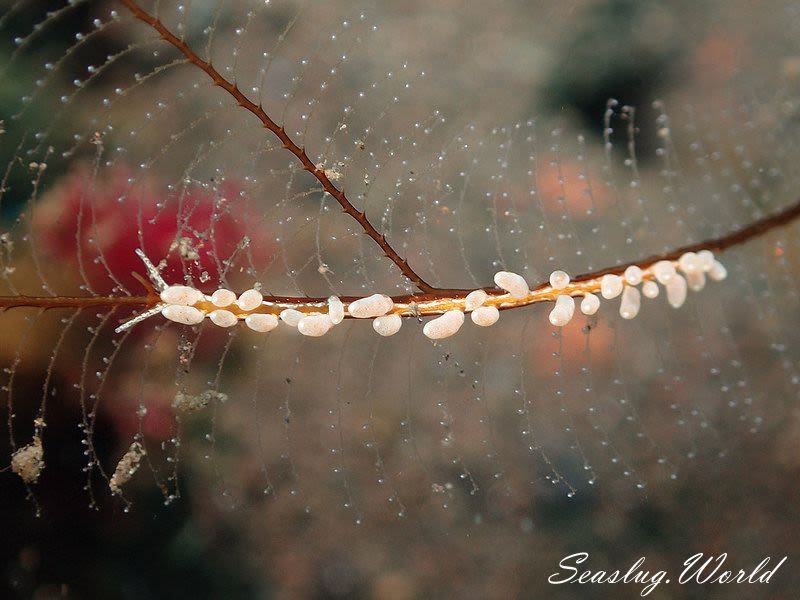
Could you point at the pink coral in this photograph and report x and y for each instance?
(196, 228)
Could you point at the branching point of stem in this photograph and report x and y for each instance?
(438, 300)
(286, 140)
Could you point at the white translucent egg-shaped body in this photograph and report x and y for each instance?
(559, 280)
(485, 315)
(563, 310)
(676, 291)
(512, 283)
(689, 263)
(664, 270)
(630, 303)
(223, 298)
(250, 300)
(445, 326)
(335, 310)
(705, 260)
(314, 325)
(590, 304)
(181, 294)
(475, 299)
(179, 313)
(696, 280)
(262, 323)
(387, 325)
(372, 306)
(223, 318)
(650, 289)
(718, 272)
(611, 286)
(291, 317)
(633, 275)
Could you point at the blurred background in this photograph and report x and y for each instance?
(478, 136)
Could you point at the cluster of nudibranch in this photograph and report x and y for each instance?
(187, 305)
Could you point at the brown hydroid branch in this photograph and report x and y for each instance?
(438, 301)
(735, 238)
(285, 139)
(48, 302)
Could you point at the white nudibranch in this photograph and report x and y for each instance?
(335, 310)
(187, 315)
(475, 299)
(633, 275)
(181, 294)
(512, 283)
(630, 303)
(590, 304)
(485, 315)
(376, 305)
(223, 318)
(387, 325)
(250, 300)
(314, 325)
(445, 326)
(676, 291)
(610, 286)
(563, 310)
(223, 298)
(650, 289)
(559, 280)
(261, 323)
(291, 316)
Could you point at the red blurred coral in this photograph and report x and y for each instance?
(96, 222)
